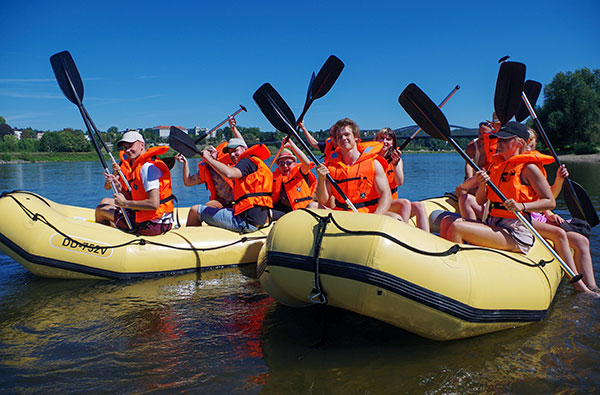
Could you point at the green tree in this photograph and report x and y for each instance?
(2, 120)
(571, 110)
(8, 143)
(67, 140)
(5, 129)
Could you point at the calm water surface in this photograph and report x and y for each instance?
(220, 332)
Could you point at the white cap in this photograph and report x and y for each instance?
(130, 137)
(234, 143)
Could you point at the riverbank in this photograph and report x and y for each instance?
(39, 157)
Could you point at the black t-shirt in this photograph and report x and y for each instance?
(256, 215)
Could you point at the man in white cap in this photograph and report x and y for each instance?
(151, 196)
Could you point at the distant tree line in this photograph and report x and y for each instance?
(570, 116)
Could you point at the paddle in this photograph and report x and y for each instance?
(577, 199)
(412, 137)
(429, 117)
(70, 84)
(203, 136)
(181, 142)
(322, 83)
(532, 90)
(279, 114)
(509, 85)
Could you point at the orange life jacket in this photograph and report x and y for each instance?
(256, 188)
(298, 191)
(489, 147)
(357, 181)
(222, 156)
(125, 169)
(206, 176)
(137, 187)
(506, 175)
(389, 172)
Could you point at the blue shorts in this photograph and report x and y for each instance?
(224, 218)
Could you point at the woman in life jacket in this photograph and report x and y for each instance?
(563, 234)
(401, 209)
(293, 182)
(519, 177)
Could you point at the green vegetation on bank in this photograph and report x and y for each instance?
(570, 116)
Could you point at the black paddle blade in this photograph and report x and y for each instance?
(323, 81)
(532, 90)
(326, 77)
(274, 108)
(589, 212)
(424, 112)
(67, 76)
(181, 142)
(509, 85)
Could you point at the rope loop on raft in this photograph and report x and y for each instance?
(455, 249)
(138, 241)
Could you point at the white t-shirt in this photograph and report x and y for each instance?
(150, 175)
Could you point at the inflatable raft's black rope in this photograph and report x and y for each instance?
(42, 219)
(451, 251)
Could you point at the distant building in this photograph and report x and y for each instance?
(198, 131)
(163, 131)
(38, 135)
(18, 133)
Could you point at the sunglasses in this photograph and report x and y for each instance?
(286, 163)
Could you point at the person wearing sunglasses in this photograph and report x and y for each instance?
(293, 182)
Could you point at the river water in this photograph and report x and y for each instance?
(219, 332)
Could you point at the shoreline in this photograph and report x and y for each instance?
(590, 158)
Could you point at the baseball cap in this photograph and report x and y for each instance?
(234, 143)
(512, 129)
(130, 137)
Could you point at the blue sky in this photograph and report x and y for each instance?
(191, 63)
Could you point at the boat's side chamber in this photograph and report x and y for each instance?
(383, 268)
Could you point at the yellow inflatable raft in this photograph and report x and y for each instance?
(60, 241)
(382, 268)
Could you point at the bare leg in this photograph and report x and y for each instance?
(418, 210)
(401, 207)
(469, 209)
(559, 238)
(193, 219)
(478, 233)
(105, 212)
(583, 258)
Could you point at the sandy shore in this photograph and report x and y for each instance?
(580, 158)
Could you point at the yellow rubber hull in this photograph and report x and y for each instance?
(401, 275)
(60, 241)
